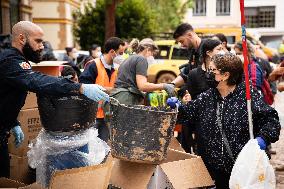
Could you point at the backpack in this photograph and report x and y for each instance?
(265, 87)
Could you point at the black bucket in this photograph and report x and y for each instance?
(141, 133)
(66, 113)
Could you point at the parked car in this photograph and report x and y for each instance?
(59, 54)
(165, 68)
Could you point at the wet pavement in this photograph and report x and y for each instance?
(277, 160)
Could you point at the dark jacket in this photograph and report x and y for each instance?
(194, 60)
(234, 122)
(16, 78)
(90, 73)
(196, 82)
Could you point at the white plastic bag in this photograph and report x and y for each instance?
(252, 169)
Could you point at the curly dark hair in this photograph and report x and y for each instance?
(230, 63)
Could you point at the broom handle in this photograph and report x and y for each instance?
(246, 62)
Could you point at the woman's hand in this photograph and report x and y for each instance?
(187, 97)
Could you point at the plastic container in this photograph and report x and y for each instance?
(141, 133)
(66, 113)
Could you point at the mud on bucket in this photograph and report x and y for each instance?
(141, 133)
(66, 113)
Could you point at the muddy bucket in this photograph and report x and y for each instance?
(140, 133)
(66, 113)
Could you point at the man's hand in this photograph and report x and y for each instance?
(170, 89)
(276, 74)
(19, 135)
(280, 87)
(187, 97)
(94, 92)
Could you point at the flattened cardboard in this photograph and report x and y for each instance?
(180, 171)
(31, 101)
(32, 186)
(31, 125)
(8, 183)
(19, 169)
(97, 176)
(11, 184)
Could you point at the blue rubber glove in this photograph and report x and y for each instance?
(173, 102)
(95, 92)
(19, 135)
(261, 143)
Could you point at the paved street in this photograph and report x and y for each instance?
(278, 158)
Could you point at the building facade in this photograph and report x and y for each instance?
(214, 13)
(12, 11)
(56, 21)
(53, 16)
(263, 18)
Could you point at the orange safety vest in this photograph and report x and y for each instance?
(103, 80)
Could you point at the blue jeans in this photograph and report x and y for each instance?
(73, 159)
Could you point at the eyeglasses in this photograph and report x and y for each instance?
(213, 69)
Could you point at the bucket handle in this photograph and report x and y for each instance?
(113, 101)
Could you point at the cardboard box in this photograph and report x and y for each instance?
(19, 169)
(31, 125)
(11, 184)
(31, 101)
(49, 67)
(96, 176)
(179, 171)
(175, 145)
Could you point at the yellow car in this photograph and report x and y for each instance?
(171, 56)
(165, 68)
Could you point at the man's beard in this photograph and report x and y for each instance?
(30, 54)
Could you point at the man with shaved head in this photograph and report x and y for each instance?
(17, 77)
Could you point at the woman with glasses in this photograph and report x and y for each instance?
(222, 117)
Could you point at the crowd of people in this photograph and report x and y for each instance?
(213, 112)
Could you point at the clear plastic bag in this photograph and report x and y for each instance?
(59, 151)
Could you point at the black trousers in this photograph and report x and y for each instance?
(103, 129)
(221, 179)
(187, 141)
(4, 157)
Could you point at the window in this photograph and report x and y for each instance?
(1, 30)
(260, 17)
(14, 12)
(164, 52)
(180, 53)
(223, 7)
(199, 8)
